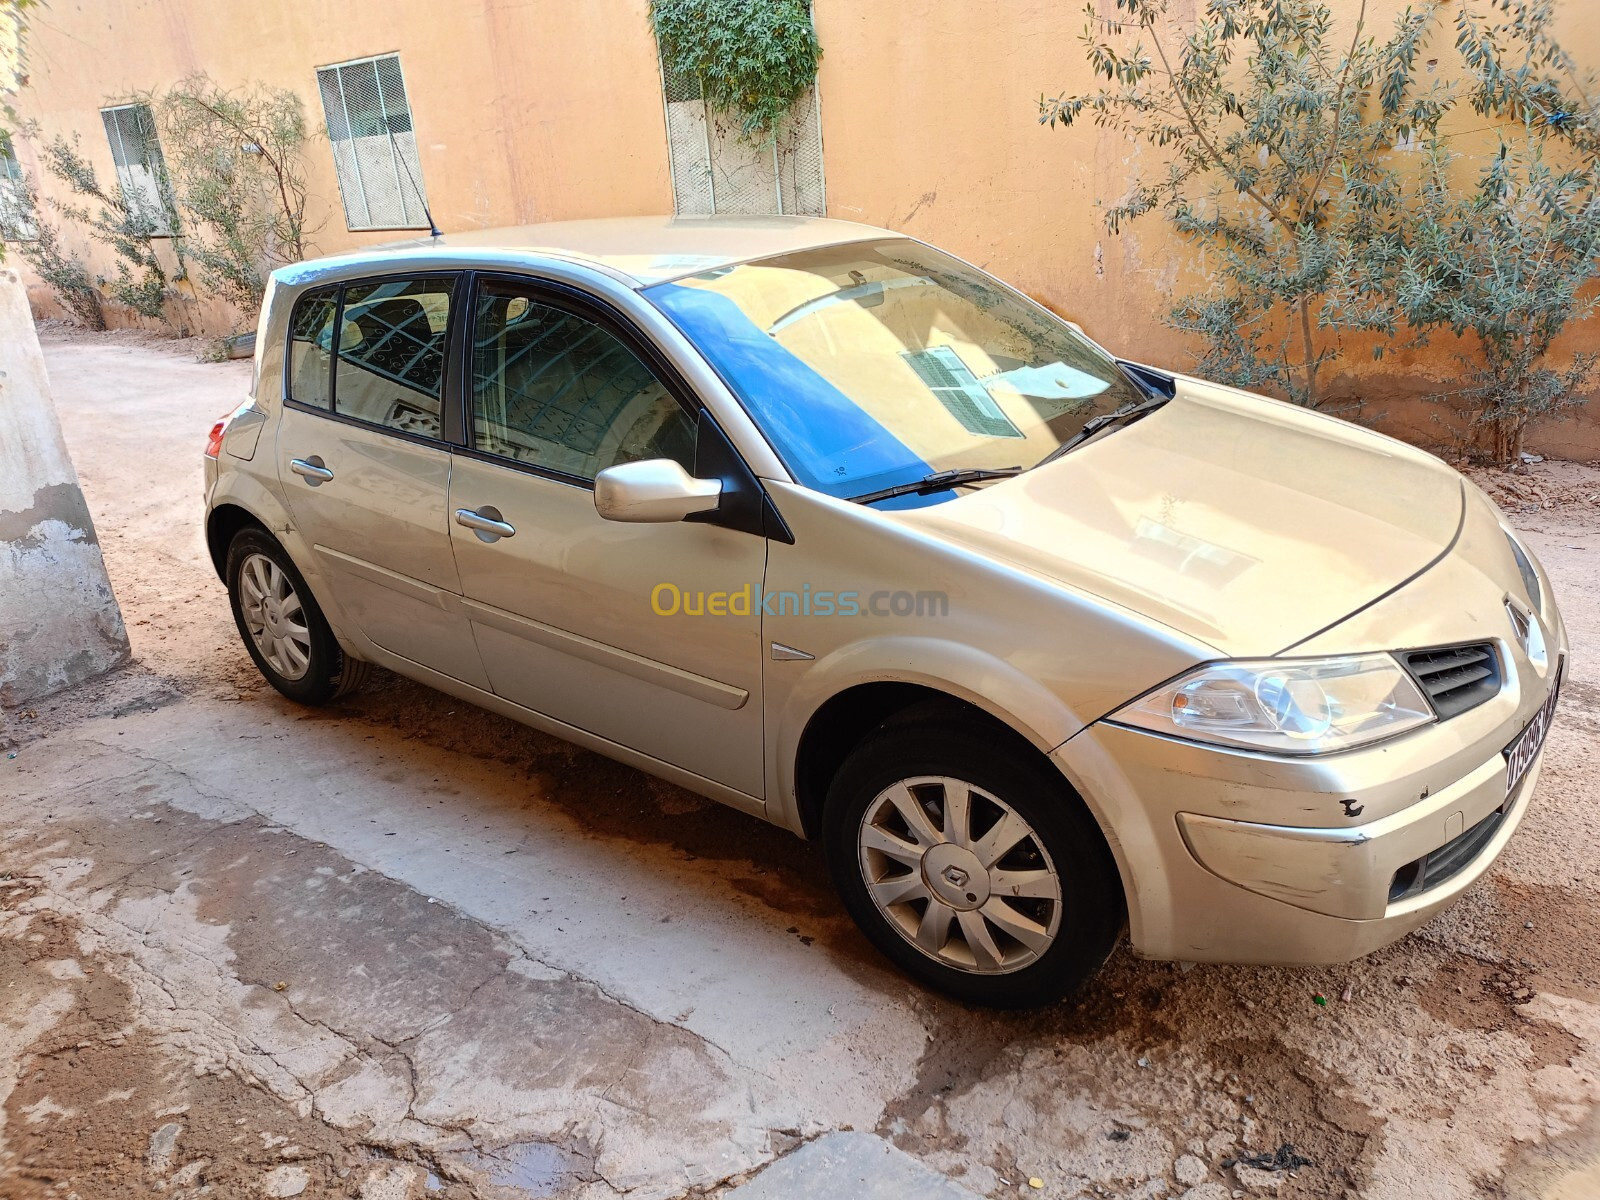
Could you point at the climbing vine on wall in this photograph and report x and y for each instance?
(752, 58)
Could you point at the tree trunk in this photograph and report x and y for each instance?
(1501, 440)
(59, 621)
(1312, 399)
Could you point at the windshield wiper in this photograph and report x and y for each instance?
(1126, 415)
(938, 482)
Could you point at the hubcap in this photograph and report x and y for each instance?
(274, 616)
(960, 875)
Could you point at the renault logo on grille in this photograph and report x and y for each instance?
(1520, 622)
(1529, 634)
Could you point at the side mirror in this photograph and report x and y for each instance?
(656, 489)
(1076, 328)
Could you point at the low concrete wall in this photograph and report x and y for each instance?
(59, 621)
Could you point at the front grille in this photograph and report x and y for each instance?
(1455, 678)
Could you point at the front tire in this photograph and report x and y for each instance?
(972, 865)
(282, 626)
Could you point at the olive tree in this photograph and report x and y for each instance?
(237, 174)
(1273, 127)
(1315, 168)
(1505, 258)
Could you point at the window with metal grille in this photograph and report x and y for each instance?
(16, 206)
(374, 146)
(141, 171)
(960, 391)
(714, 170)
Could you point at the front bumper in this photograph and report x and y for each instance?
(1210, 888)
(1231, 856)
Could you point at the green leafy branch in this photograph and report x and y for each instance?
(752, 58)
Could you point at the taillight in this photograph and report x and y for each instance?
(214, 442)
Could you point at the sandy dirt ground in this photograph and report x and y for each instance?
(402, 948)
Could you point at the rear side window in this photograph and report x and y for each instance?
(391, 353)
(557, 390)
(311, 346)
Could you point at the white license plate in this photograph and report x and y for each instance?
(1525, 747)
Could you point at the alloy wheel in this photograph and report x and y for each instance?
(275, 616)
(960, 874)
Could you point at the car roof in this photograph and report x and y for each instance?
(637, 251)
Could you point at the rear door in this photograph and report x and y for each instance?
(365, 465)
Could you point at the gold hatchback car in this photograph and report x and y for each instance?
(830, 526)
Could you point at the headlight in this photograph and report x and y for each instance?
(1285, 706)
(1530, 577)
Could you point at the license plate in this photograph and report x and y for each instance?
(1525, 747)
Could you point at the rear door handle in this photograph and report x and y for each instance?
(315, 473)
(486, 523)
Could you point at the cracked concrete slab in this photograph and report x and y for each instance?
(369, 1005)
(413, 950)
(859, 1165)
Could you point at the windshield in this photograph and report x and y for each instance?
(874, 364)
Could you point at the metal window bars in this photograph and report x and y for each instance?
(16, 206)
(715, 170)
(374, 146)
(141, 169)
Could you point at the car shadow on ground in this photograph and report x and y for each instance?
(785, 874)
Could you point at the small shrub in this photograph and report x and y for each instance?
(1274, 131)
(65, 274)
(1284, 162)
(235, 162)
(1507, 263)
(126, 222)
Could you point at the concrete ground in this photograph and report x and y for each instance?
(402, 948)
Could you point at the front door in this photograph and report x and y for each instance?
(572, 613)
(365, 469)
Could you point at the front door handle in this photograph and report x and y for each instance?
(486, 523)
(316, 474)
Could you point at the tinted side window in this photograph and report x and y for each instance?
(555, 389)
(391, 353)
(310, 345)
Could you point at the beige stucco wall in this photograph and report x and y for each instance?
(529, 110)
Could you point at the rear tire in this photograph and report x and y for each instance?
(1014, 905)
(282, 625)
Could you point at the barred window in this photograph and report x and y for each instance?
(16, 205)
(374, 146)
(141, 171)
(714, 170)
